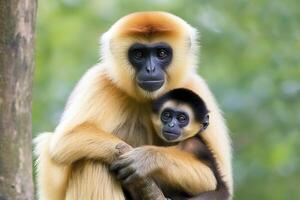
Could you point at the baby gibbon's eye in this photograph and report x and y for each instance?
(166, 116)
(181, 118)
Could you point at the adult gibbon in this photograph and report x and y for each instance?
(179, 118)
(144, 55)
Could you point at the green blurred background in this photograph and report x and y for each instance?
(250, 57)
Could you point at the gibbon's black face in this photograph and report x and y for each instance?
(173, 121)
(150, 62)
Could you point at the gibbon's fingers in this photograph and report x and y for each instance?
(124, 173)
(142, 160)
(121, 163)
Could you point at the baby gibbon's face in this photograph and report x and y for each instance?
(176, 122)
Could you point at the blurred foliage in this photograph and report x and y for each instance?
(249, 56)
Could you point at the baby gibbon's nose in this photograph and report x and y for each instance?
(171, 125)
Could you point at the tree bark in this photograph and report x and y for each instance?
(17, 27)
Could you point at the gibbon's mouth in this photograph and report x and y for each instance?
(151, 86)
(170, 136)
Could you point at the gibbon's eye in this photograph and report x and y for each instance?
(138, 54)
(166, 116)
(182, 118)
(162, 53)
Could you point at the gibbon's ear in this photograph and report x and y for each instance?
(205, 122)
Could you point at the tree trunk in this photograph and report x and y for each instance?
(17, 25)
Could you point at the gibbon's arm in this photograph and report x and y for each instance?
(216, 135)
(85, 141)
(169, 165)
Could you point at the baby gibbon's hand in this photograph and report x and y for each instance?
(134, 165)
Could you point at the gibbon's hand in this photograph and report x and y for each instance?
(123, 148)
(134, 166)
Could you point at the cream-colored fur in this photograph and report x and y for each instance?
(52, 178)
(107, 108)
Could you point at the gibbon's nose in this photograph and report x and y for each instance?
(150, 77)
(150, 66)
(171, 124)
(150, 69)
